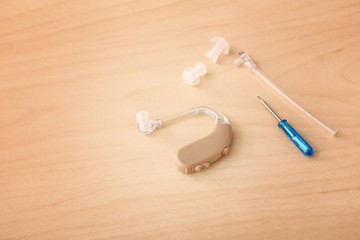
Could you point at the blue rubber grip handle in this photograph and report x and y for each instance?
(295, 137)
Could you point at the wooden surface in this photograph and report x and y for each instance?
(73, 75)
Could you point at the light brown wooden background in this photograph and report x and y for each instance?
(73, 75)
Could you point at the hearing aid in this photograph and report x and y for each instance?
(199, 154)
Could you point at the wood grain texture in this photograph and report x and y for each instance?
(73, 74)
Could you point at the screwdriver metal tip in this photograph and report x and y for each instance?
(272, 111)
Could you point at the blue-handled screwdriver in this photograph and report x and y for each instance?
(294, 136)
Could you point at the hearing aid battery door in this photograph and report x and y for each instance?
(202, 153)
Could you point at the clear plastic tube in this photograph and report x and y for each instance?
(174, 117)
(216, 116)
(244, 58)
(296, 104)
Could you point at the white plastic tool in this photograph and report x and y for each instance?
(246, 60)
(192, 75)
(220, 45)
(199, 154)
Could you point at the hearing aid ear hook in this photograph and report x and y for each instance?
(201, 153)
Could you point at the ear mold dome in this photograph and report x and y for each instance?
(192, 75)
(220, 46)
(202, 153)
(144, 124)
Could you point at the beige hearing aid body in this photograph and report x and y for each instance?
(201, 153)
